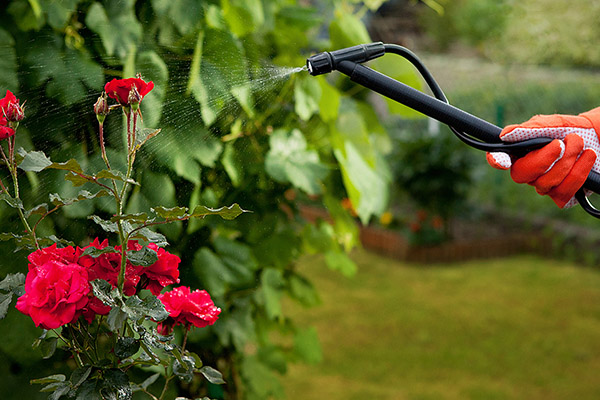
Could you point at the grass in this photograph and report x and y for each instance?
(516, 328)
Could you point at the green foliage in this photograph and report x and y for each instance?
(237, 128)
(433, 169)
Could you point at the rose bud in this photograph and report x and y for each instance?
(134, 98)
(15, 112)
(101, 108)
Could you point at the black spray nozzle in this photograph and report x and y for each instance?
(325, 62)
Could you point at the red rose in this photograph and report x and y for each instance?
(56, 293)
(187, 308)
(163, 272)
(65, 255)
(9, 110)
(107, 267)
(119, 89)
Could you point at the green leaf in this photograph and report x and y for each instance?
(66, 73)
(34, 161)
(150, 307)
(48, 347)
(136, 218)
(307, 346)
(77, 180)
(40, 209)
(58, 390)
(5, 300)
(12, 281)
(8, 63)
(126, 347)
(149, 381)
(144, 134)
(116, 24)
(339, 261)
(11, 201)
(150, 236)
(115, 319)
(347, 30)
(116, 385)
(231, 212)
(170, 212)
(232, 164)
(183, 368)
(303, 290)
(88, 391)
(108, 226)
(219, 72)
(95, 252)
(243, 16)
(289, 160)
(49, 379)
(26, 14)
(329, 101)
(153, 68)
(82, 195)
(144, 257)
(307, 95)
(59, 12)
(272, 289)
(104, 292)
(212, 375)
(80, 375)
(367, 187)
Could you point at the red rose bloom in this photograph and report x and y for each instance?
(187, 308)
(107, 267)
(119, 89)
(56, 293)
(7, 105)
(163, 272)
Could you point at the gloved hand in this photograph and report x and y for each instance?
(561, 167)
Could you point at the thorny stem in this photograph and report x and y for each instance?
(121, 202)
(12, 167)
(102, 147)
(167, 381)
(167, 376)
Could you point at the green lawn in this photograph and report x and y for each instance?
(516, 328)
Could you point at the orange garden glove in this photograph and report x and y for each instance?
(560, 168)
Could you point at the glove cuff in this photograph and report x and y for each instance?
(594, 117)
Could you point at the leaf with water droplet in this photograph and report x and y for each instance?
(11, 201)
(34, 161)
(144, 257)
(230, 212)
(108, 226)
(289, 160)
(212, 375)
(143, 135)
(170, 212)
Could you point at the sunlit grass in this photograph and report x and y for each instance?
(517, 328)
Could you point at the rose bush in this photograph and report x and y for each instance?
(73, 291)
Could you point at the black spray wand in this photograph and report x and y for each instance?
(472, 130)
